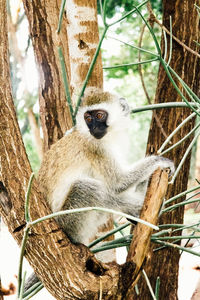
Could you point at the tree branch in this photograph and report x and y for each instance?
(142, 234)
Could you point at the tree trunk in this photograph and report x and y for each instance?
(43, 21)
(164, 263)
(36, 132)
(82, 30)
(80, 27)
(19, 59)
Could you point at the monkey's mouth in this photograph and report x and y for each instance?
(98, 134)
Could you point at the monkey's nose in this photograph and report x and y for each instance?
(97, 132)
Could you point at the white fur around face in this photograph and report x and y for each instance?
(116, 119)
(116, 138)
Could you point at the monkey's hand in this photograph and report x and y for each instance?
(168, 165)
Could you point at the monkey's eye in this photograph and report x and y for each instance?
(100, 115)
(87, 118)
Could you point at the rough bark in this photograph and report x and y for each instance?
(83, 36)
(43, 21)
(82, 29)
(36, 133)
(164, 263)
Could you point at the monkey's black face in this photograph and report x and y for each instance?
(96, 122)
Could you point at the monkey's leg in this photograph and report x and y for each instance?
(82, 227)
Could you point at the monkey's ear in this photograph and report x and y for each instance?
(124, 105)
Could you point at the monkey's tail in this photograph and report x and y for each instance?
(32, 279)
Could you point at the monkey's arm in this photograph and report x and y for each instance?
(141, 172)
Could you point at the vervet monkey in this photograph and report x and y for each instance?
(87, 167)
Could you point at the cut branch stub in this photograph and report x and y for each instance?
(142, 233)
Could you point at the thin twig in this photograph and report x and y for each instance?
(170, 44)
(113, 231)
(32, 289)
(176, 39)
(23, 245)
(162, 105)
(25, 236)
(149, 284)
(84, 209)
(175, 246)
(175, 131)
(22, 286)
(184, 157)
(66, 84)
(35, 291)
(129, 13)
(131, 64)
(191, 94)
(179, 237)
(62, 8)
(104, 11)
(133, 46)
(175, 85)
(182, 194)
(172, 207)
(140, 67)
(151, 18)
(157, 289)
(181, 140)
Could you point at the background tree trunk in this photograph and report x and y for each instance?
(80, 26)
(164, 263)
(36, 132)
(43, 22)
(82, 30)
(20, 60)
